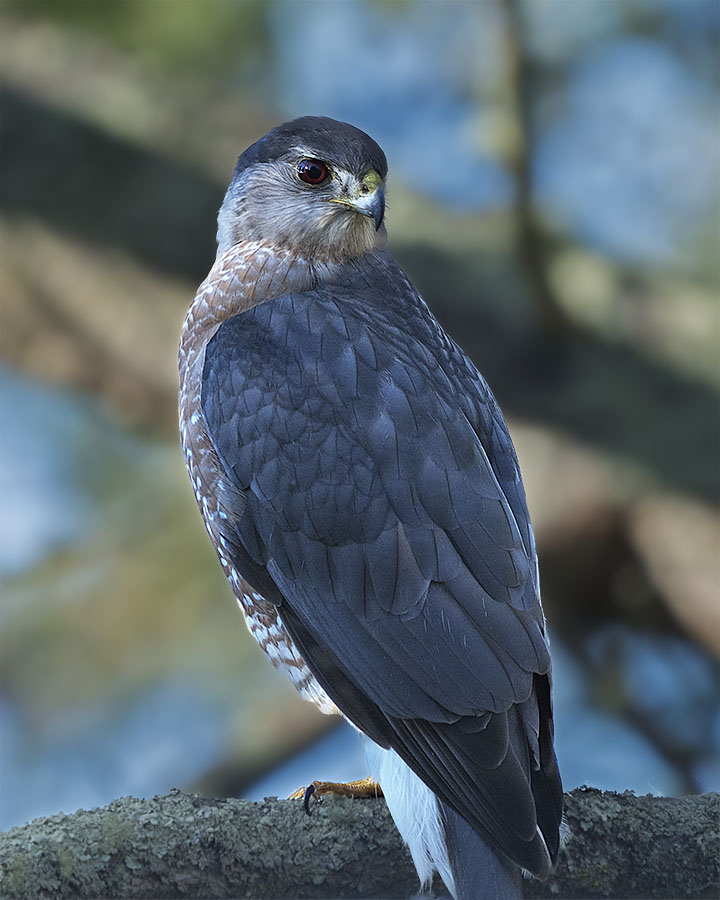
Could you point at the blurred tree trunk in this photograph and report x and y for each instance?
(520, 80)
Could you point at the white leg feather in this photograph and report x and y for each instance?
(416, 813)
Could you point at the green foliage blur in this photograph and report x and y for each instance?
(207, 39)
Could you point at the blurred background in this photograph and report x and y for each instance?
(554, 194)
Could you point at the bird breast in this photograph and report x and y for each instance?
(241, 278)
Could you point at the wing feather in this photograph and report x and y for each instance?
(381, 497)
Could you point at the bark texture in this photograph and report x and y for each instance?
(184, 845)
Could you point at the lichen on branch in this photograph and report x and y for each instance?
(183, 846)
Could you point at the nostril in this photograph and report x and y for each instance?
(364, 189)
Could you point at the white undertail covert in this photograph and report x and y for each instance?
(416, 813)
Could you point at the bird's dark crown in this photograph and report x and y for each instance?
(340, 142)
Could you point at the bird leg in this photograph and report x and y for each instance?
(364, 788)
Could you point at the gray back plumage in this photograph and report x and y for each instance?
(382, 509)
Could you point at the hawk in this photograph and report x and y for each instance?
(360, 486)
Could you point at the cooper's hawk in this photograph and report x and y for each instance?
(358, 481)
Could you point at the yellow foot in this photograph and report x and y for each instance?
(365, 788)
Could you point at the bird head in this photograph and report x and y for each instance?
(313, 186)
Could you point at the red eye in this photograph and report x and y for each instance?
(312, 171)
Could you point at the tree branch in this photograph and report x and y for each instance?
(187, 846)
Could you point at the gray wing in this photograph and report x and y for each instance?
(373, 515)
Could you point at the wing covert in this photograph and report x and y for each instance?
(380, 506)
(370, 499)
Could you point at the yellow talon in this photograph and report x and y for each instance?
(363, 789)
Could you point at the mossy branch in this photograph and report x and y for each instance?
(187, 846)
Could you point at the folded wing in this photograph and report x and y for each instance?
(382, 510)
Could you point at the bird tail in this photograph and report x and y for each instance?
(478, 872)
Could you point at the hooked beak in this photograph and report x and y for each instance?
(372, 205)
(369, 200)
